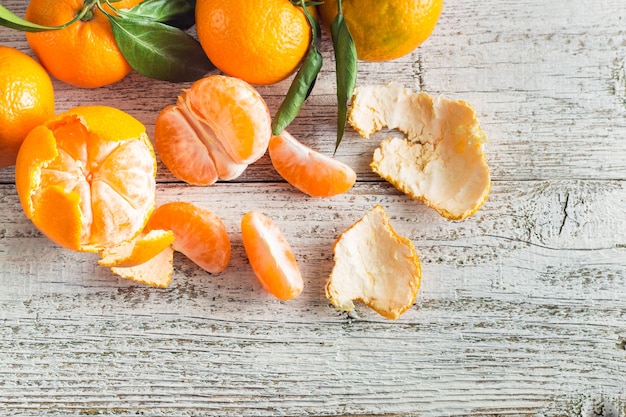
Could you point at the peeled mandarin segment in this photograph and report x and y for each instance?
(236, 113)
(309, 171)
(198, 233)
(376, 266)
(156, 271)
(138, 250)
(271, 256)
(181, 150)
(86, 189)
(441, 161)
(216, 129)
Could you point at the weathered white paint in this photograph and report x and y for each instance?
(522, 309)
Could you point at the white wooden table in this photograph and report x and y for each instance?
(522, 309)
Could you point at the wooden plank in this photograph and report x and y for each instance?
(521, 310)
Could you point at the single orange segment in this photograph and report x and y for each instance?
(216, 129)
(86, 178)
(309, 171)
(198, 233)
(271, 256)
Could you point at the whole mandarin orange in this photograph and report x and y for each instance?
(83, 54)
(261, 41)
(385, 29)
(26, 100)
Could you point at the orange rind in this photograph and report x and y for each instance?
(374, 265)
(155, 272)
(137, 251)
(311, 172)
(441, 161)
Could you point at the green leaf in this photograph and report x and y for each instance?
(9, 20)
(302, 84)
(346, 69)
(177, 13)
(159, 51)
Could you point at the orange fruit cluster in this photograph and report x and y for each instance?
(26, 100)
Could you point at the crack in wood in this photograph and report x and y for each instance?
(565, 215)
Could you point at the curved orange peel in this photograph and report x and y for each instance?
(376, 266)
(441, 160)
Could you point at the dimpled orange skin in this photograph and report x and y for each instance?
(384, 30)
(85, 53)
(261, 41)
(26, 100)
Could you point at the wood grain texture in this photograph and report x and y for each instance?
(522, 309)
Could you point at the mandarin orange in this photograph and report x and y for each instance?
(84, 54)
(26, 100)
(261, 42)
(216, 129)
(385, 29)
(86, 178)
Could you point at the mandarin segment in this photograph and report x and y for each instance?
(441, 161)
(271, 257)
(216, 129)
(84, 191)
(198, 233)
(374, 265)
(309, 171)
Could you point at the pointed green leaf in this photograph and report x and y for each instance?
(177, 13)
(10, 20)
(302, 84)
(346, 69)
(159, 51)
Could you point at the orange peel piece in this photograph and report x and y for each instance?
(137, 251)
(376, 266)
(440, 161)
(156, 272)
